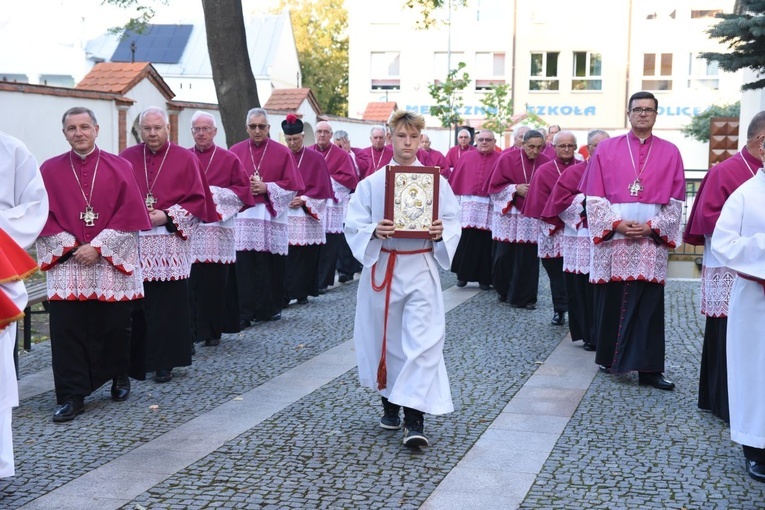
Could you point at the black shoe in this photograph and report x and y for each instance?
(559, 319)
(285, 303)
(502, 299)
(212, 342)
(120, 388)
(244, 324)
(531, 306)
(276, 316)
(163, 375)
(589, 347)
(605, 369)
(461, 283)
(322, 291)
(655, 379)
(390, 419)
(413, 434)
(484, 286)
(71, 408)
(343, 278)
(303, 301)
(756, 470)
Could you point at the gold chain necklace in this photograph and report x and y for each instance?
(636, 187)
(88, 215)
(150, 200)
(256, 173)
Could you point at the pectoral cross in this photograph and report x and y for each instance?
(150, 200)
(89, 216)
(635, 188)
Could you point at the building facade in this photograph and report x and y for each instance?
(573, 64)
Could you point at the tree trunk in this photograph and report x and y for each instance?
(230, 62)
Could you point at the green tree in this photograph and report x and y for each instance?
(498, 109)
(448, 96)
(426, 10)
(745, 35)
(321, 37)
(698, 128)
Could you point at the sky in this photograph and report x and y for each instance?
(47, 31)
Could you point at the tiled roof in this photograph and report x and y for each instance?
(291, 99)
(120, 77)
(28, 88)
(379, 111)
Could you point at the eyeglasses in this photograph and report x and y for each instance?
(203, 129)
(485, 139)
(643, 111)
(566, 146)
(255, 127)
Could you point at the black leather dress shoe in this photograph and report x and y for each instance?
(559, 319)
(212, 342)
(322, 291)
(71, 408)
(303, 301)
(531, 306)
(343, 278)
(163, 375)
(589, 347)
(756, 470)
(484, 286)
(276, 316)
(655, 379)
(244, 324)
(120, 388)
(605, 369)
(502, 299)
(461, 283)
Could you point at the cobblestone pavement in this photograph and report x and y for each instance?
(625, 447)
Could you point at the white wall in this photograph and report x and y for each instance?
(41, 132)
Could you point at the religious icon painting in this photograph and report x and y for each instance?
(411, 199)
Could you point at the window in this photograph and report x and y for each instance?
(657, 71)
(489, 70)
(710, 13)
(702, 75)
(57, 80)
(587, 71)
(385, 70)
(18, 78)
(443, 62)
(544, 71)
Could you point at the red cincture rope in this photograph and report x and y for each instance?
(382, 371)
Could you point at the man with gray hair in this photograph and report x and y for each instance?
(262, 231)
(377, 155)
(549, 247)
(213, 243)
(177, 197)
(347, 265)
(463, 146)
(344, 181)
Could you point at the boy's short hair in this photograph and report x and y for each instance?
(408, 119)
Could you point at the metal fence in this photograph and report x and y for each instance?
(691, 190)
